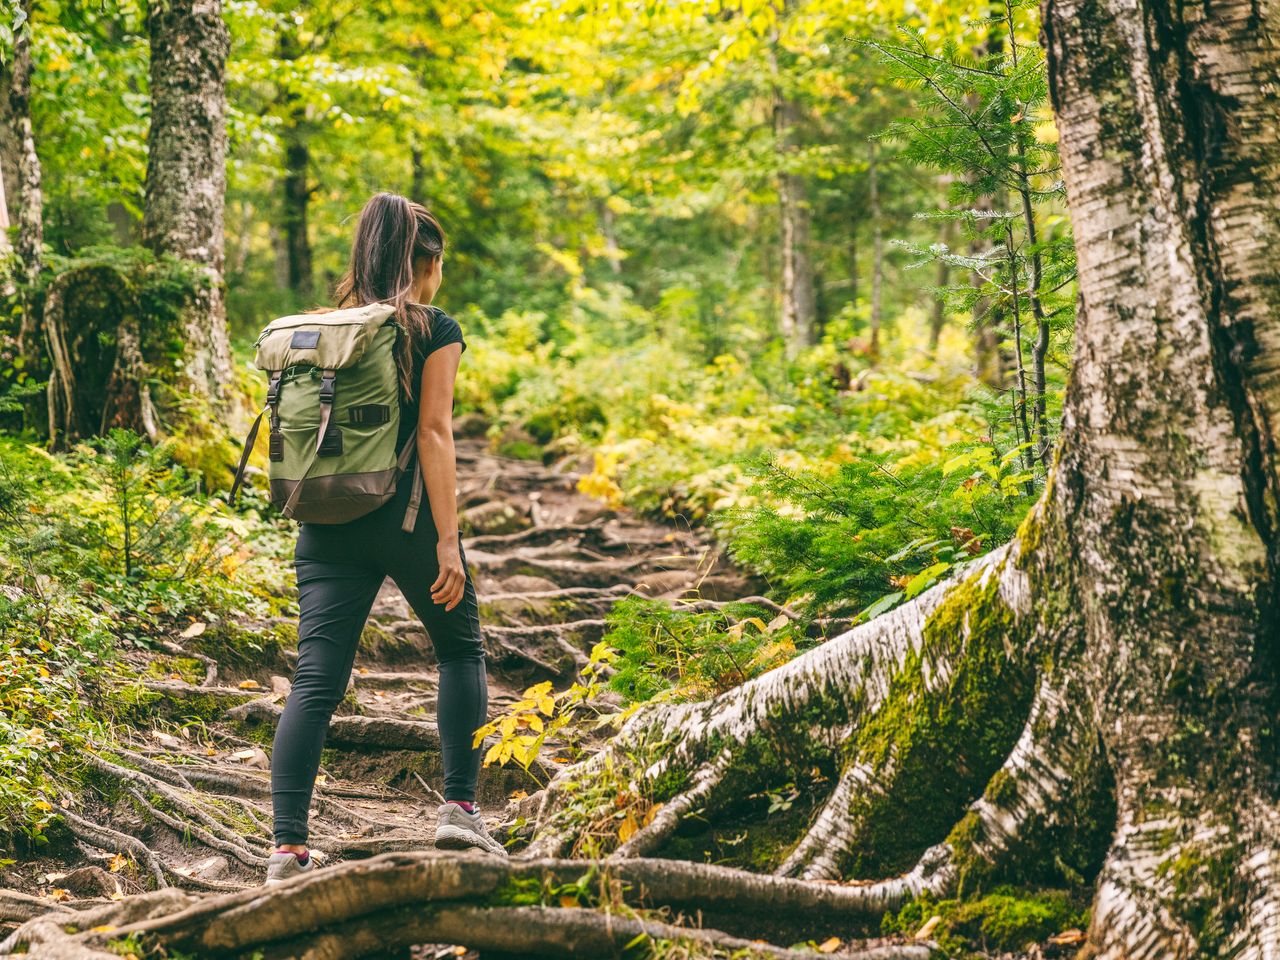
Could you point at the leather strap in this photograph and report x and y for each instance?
(249, 441)
(326, 414)
(415, 496)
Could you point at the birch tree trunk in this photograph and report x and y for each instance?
(30, 197)
(186, 172)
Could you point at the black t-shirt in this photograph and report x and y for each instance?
(444, 331)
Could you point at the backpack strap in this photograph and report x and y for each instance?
(249, 441)
(415, 497)
(273, 396)
(327, 392)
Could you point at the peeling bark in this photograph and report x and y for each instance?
(186, 173)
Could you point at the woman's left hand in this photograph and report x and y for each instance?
(452, 582)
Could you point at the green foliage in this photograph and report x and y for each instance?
(563, 715)
(669, 652)
(147, 525)
(859, 535)
(1004, 919)
(69, 600)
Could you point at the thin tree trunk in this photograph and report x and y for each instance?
(608, 227)
(877, 250)
(798, 304)
(30, 237)
(186, 173)
(852, 248)
(297, 204)
(990, 360)
(295, 184)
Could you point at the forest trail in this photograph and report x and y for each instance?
(187, 797)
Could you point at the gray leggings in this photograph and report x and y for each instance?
(340, 569)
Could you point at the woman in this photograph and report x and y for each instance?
(396, 258)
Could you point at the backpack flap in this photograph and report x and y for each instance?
(330, 341)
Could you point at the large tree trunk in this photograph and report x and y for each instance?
(186, 172)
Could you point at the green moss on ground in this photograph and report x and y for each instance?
(1005, 919)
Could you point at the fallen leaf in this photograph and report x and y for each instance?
(249, 685)
(177, 676)
(518, 795)
(568, 900)
(58, 895)
(118, 862)
(830, 945)
(194, 630)
(628, 827)
(925, 932)
(781, 620)
(321, 780)
(243, 755)
(459, 951)
(103, 928)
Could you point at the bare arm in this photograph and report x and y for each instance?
(439, 468)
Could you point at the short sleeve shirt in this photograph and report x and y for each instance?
(444, 331)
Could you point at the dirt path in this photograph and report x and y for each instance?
(187, 798)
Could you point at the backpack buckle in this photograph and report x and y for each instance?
(327, 388)
(273, 387)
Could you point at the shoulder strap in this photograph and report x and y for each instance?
(249, 441)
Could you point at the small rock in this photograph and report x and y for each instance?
(525, 583)
(88, 882)
(281, 686)
(495, 517)
(470, 425)
(210, 869)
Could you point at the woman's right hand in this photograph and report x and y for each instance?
(452, 581)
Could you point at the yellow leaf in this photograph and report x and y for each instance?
(535, 723)
(58, 894)
(104, 928)
(492, 755)
(250, 685)
(118, 862)
(568, 900)
(628, 827)
(829, 946)
(648, 817)
(547, 705)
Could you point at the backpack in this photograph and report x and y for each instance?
(333, 404)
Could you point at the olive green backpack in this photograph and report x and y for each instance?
(333, 404)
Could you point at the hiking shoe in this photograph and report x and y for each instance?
(285, 866)
(458, 830)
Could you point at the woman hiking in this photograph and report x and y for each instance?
(396, 259)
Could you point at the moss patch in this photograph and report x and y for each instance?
(1005, 919)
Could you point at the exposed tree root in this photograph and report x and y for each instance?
(834, 834)
(669, 816)
(365, 908)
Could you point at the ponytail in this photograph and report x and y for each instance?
(392, 234)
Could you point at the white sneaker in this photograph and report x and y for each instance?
(285, 865)
(458, 830)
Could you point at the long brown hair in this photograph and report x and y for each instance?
(392, 234)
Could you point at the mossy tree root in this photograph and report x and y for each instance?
(954, 689)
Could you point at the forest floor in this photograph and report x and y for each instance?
(184, 797)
